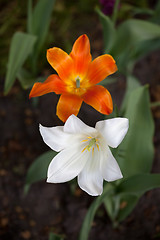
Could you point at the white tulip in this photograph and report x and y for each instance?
(84, 152)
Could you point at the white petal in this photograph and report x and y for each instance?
(75, 125)
(67, 164)
(109, 166)
(90, 179)
(113, 130)
(55, 137)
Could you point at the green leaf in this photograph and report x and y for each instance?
(26, 78)
(132, 31)
(131, 189)
(109, 205)
(108, 30)
(21, 47)
(139, 183)
(130, 34)
(38, 169)
(156, 15)
(107, 81)
(41, 19)
(132, 84)
(115, 11)
(112, 204)
(146, 11)
(29, 17)
(143, 48)
(53, 236)
(92, 211)
(137, 147)
(155, 104)
(127, 204)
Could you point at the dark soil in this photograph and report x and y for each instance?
(54, 207)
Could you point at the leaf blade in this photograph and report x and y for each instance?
(108, 31)
(21, 47)
(38, 170)
(42, 12)
(138, 144)
(139, 183)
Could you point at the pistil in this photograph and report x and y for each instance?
(77, 82)
(91, 144)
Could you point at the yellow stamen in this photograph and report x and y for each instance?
(85, 140)
(84, 149)
(92, 151)
(91, 144)
(97, 146)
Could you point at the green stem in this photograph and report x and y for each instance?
(115, 11)
(155, 104)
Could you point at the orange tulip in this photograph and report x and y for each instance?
(77, 78)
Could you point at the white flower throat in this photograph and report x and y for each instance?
(93, 142)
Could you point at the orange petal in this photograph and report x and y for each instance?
(68, 104)
(61, 62)
(52, 84)
(100, 68)
(99, 98)
(81, 55)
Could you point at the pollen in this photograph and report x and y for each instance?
(92, 143)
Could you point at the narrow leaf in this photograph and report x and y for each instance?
(21, 47)
(127, 204)
(139, 183)
(109, 205)
(108, 30)
(38, 169)
(29, 17)
(41, 19)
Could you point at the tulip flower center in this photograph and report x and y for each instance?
(92, 144)
(78, 82)
(77, 85)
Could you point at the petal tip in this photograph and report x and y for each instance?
(84, 36)
(31, 95)
(48, 51)
(116, 177)
(49, 180)
(40, 127)
(93, 194)
(42, 131)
